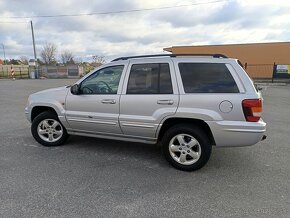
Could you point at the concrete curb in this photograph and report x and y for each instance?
(270, 84)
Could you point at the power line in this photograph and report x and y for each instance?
(117, 12)
(14, 22)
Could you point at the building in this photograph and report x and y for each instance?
(257, 58)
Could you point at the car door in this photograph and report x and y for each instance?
(96, 108)
(149, 95)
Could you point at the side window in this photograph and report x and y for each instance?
(207, 78)
(104, 81)
(150, 79)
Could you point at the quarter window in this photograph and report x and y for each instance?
(207, 78)
(150, 79)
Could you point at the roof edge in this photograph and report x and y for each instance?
(170, 49)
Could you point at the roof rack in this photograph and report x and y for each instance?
(171, 55)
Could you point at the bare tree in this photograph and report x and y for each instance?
(98, 59)
(67, 57)
(23, 59)
(48, 53)
(78, 60)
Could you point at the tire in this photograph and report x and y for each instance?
(48, 130)
(186, 147)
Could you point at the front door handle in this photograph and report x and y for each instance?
(168, 102)
(109, 101)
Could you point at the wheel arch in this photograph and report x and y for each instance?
(168, 123)
(36, 110)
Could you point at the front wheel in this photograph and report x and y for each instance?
(48, 130)
(186, 147)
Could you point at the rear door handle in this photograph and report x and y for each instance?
(168, 102)
(109, 101)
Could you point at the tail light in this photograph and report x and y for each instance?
(252, 109)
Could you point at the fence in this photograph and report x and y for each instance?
(259, 71)
(70, 71)
(20, 71)
(24, 71)
(255, 71)
(269, 72)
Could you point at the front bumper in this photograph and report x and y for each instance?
(27, 114)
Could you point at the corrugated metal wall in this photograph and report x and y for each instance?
(260, 57)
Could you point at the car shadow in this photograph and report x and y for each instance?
(118, 149)
(222, 159)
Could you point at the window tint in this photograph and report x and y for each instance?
(149, 79)
(104, 81)
(207, 78)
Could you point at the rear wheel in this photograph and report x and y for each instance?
(186, 147)
(48, 130)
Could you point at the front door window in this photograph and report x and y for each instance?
(104, 81)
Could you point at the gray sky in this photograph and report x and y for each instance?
(146, 32)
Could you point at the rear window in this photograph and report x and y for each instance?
(207, 78)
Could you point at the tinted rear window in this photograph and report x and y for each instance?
(150, 78)
(207, 78)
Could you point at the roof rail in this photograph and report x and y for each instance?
(171, 55)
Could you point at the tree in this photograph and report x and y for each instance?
(99, 60)
(67, 57)
(24, 59)
(13, 61)
(78, 60)
(48, 53)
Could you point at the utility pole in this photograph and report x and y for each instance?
(4, 52)
(33, 41)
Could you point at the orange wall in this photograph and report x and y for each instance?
(253, 54)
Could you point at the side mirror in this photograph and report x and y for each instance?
(75, 89)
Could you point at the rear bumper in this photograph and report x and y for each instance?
(237, 133)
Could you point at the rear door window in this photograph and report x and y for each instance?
(151, 78)
(207, 78)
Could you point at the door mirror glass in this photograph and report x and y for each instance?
(75, 89)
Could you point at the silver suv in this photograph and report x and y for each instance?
(186, 102)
